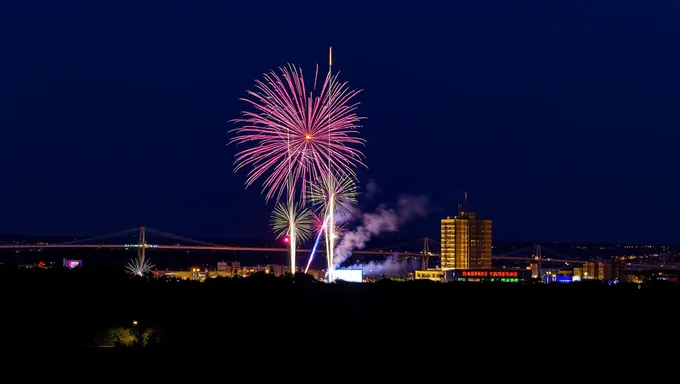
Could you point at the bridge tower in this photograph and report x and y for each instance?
(536, 265)
(426, 253)
(141, 251)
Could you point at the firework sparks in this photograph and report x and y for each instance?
(299, 219)
(332, 195)
(319, 224)
(295, 132)
(342, 189)
(139, 266)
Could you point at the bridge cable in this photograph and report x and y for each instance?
(530, 248)
(107, 236)
(180, 238)
(558, 254)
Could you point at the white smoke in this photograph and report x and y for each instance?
(347, 216)
(383, 220)
(389, 267)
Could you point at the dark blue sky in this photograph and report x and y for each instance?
(560, 119)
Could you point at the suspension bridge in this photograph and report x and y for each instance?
(139, 241)
(533, 254)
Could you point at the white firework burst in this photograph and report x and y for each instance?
(139, 267)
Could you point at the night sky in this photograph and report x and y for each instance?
(559, 119)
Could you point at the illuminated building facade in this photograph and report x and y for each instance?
(276, 270)
(429, 274)
(608, 270)
(475, 275)
(466, 242)
(228, 269)
(489, 275)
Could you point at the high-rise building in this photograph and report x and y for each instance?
(466, 241)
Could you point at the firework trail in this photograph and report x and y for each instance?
(340, 222)
(316, 243)
(292, 127)
(333, 195)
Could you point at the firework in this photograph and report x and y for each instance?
(320, 226)
(301, 218)
(340, 188)
(320, 231)
(296, 135)
(139, 266)
(333, 194)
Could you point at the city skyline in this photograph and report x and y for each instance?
(541, 120)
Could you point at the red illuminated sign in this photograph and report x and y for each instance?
(489, 274)
(504, 273)
(475, 273)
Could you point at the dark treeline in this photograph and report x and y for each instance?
(80, 308)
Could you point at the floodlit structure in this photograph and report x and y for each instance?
(349, 275)
(466, 241)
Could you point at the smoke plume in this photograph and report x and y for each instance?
(389, 267)
(383, 220)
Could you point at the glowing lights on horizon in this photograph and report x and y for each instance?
(140, 246)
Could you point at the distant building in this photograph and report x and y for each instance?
(224, 269)
(556, 275)
(577, 274)
(429, 274)
(191, 274)
(590, 271)
(608, 270)
(474, 275)
(613, 270)
(276, 270)
(465, 242)
(489, 275)
(228, 269)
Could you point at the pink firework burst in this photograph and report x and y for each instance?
(297, 130)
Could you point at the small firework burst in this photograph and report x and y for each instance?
(341, 190)
(139, 267)
(300, 219)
